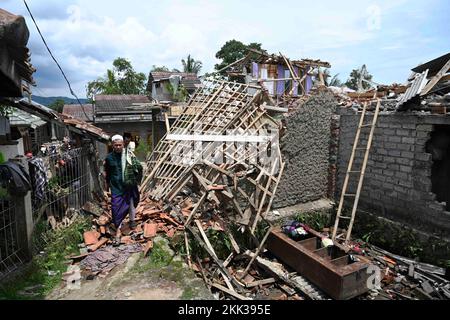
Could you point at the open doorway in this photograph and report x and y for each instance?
(439, 147)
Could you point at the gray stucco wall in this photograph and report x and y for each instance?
(397, 182)
(305, 147)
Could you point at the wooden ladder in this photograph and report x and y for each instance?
(361, 172)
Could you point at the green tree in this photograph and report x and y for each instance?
(333, 81)
(190, 65)
(163, 69)
(355, 81)
(234, 50)
(121, 79)
(57, 105)
(159, 69)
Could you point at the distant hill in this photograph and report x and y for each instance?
(46, 101)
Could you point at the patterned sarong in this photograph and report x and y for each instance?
(120, 205)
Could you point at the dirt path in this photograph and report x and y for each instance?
(139, 279)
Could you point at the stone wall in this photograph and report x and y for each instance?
(305, 146)
(398, 179)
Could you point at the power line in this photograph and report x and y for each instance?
(54, 59)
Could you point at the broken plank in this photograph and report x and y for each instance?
(219, 263)
(234, 243)
(231, 293)
(186, 242)
(228, 260)
(433, 81)
(276, 269)
(207, 282)
(260, 282)
(257, 251)
(273, 108)
(197, 205)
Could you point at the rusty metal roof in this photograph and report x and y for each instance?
(76, 111)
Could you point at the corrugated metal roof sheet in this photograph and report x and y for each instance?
(119, 103)
(415, 88)
(157, 75)
(75, 110)
(22, 118)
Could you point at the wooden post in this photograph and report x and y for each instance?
(24, 220)
(154, 129)
(91, 152)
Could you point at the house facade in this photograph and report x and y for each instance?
(128, 115)
(274, 71)
(171, 86)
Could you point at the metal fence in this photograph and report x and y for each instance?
(10, 251)
(61, 188)
(67, 188)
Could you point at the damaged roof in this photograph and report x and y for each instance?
(84, 127)
(24, 119)
(433, 66)
(49, 115)
(188, 79)
(278, 59)
(76, 111)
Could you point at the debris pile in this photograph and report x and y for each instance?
(427, 90)
(406, 279)
(205, 176)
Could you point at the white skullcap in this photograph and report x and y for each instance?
(117, 137)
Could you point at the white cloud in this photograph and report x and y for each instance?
(87, 35)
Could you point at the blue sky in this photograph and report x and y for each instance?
(390, 37)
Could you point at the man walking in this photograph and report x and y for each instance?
(123, 173)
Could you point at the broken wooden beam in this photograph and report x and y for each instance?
(260, 282)
(228, 291)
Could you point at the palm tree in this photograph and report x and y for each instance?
(190, 65)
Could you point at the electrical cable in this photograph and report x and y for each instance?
(54, 59)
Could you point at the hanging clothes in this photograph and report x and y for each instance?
(39, 179)
(15, 177)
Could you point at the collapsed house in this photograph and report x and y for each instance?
(192, 186)
(279, 75)
(316, 144)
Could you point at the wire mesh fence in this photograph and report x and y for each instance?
(10, 250)
(62, 184)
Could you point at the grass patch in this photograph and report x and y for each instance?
(161, 264)
(158, 258)
(188, 293)
(58, 245)
(315, 219)
(401, 240)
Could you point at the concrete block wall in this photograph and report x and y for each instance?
(305, 146)
(397, 183)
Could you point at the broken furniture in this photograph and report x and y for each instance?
(330, 268)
